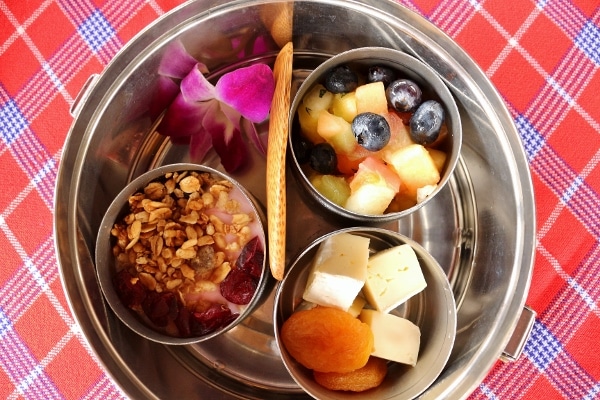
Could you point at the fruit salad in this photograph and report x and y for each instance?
(371, 143)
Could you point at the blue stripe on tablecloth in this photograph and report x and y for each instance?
(487, 391)
(53, 77)
(27, 375)
(594, 393)
(542, 347)
(568, 185)
(565, 15)
(96, 31)
(37, 163)
(12, 122)
(588, 41)
(28, 283)
(572, 189)
(5, 325)
(531, 138)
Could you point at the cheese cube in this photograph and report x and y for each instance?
(393, 276)
(394, 338)
(338, 271)
(357, 305)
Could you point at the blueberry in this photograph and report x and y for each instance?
(302, 147)
(426, 122)
(341, 79)
(404, 95)
(323, 159)
(379, 73)
(371, 131)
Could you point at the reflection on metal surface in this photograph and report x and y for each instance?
(517, 341)
(83, 94)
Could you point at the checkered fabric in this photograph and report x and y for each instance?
(544, 58)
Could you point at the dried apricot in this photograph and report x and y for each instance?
(365, 378)
(327, 339)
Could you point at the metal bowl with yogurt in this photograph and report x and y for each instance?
(108, 266)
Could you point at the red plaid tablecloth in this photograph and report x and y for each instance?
(544, 58)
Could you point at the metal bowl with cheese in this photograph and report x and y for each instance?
(389, 282)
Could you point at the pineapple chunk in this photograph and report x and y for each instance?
(318, 98)
(336, 131)
(414, 166)
(308, 123)
(334, 188)
(371, 98)
(344, 105)
(438, 157)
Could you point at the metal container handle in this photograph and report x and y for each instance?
(83, 95)
(520, 335)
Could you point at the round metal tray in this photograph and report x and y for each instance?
(480, 228)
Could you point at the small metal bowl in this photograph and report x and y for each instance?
(433, 310)
(432, 86)
(106, 268)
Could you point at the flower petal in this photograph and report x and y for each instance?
(200, 145)
(226, 139)
(195, 86)
(177, 62)
(182, 118)
(249, 90)
(166, 92)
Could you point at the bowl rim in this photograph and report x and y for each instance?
(389, 56)
(104, 275)
(432, 270)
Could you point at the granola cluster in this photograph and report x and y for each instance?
(181, 235)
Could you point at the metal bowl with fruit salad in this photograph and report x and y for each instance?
(180, 254)
(375, 134)
(416, 308)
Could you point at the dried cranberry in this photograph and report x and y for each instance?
(161, 308)
(131, 294)
(215, 317)
(251, 258)
(182, 321)
(239, 286)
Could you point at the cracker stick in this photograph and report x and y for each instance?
(276, 148)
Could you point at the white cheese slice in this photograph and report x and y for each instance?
(357, 305)
(394, 338)
(393, 276)
(338, 271)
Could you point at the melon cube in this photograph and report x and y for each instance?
(414, 166)
(402, 201)
(373, 187)
(336, 131)
(371, 98)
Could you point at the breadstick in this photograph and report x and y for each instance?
(276, 148)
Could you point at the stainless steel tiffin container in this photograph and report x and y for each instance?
(480, 228)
